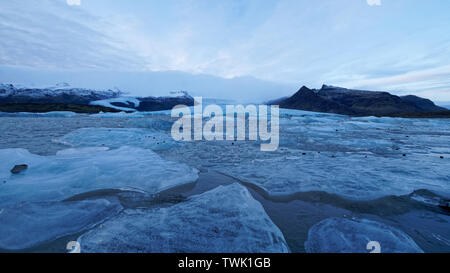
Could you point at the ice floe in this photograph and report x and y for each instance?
(226, 219)
(117, 137)
(54, 114)
(350, 175)
(344, 235)
(69, 173)
(30, 224)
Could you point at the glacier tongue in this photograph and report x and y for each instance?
(76, 171)
(342, 235)
(118, 137)
(124, 100)
(29, 224)
(226, 219)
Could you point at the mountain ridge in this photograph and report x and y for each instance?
(339, 100)
(63, 96)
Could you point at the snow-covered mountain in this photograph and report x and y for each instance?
(60, 93)
(152, 83)
(63, 93)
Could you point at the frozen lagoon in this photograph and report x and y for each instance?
(327, 166)
(357, 158)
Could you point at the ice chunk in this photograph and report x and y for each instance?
(58, 177)
(30, 224)
(117, 137)
(343, 235)
(226, 219)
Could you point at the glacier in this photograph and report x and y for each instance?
(29, 224)
(59, 90)
(75, 171)
(124, 100)
(352, 235)
(225, 219)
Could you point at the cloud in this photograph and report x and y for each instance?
(276, 40)
(73, 2)
(374, 2)
(432, 83)
(407, 78)
(50, 34)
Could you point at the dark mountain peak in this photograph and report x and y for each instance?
(328, 87)
(304, 89)
(309, 100)
(303, 92)
(339, 100)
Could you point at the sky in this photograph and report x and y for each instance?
(400, 46)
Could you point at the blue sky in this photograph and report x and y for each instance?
(402, 46)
